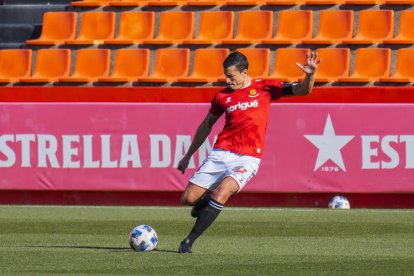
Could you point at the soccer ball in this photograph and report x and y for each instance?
(143, 238)
(339, 202)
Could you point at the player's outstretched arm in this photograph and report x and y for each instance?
(200, 136)
(309, 68)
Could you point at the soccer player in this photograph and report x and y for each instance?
(236, 155)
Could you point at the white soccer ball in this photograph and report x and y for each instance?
(143, 238)
(339, 202)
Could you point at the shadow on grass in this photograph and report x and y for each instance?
(112, 249)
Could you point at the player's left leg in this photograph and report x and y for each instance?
(208, 214)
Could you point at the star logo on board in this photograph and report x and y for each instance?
(329, 145)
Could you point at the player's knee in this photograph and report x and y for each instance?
(188, 199)
(222, 194)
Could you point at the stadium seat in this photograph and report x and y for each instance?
(285, 68)
(371, 64)
(95, 28)
(259, 61)
(134, 27)
(253, 26)
(363, 2)
(91, 3)
(167, 3)
(335, 64)
(170, 64)
(334, 26)
(399, 2)
(245, 2)
(174, 27)
(293, 26)
(128, 3)
(374, 26)
(405, 33)
(57, 27)
(15, 64)
(205, 2)
(404, 70)
(285, 2)
(208, 65)
(129, 65)
(90, 64)
(324, 2)
(51, 64)
(215, 26)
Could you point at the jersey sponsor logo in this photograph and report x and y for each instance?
(243, 106)
(253, 93)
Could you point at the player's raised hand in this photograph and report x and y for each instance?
(183, 164)
(311, 64)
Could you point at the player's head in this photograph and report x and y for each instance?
(236, 68)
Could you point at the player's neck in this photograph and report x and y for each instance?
(246, 83)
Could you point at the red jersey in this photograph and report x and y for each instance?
(247, 112)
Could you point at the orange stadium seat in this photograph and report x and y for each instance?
(405, 33)
(208, 65)
(134, 27)
(15, 64)
(374, 26)
(166, 3)
(371, 64)
(215, 26)
(253, 26)
(57, 27)
(334, 64)
(334, 26)
(285, 68)
(170, 64)
(205, 2)
(399, 2)
(293, 26)
(259, 61)
(174, 27)
(285, 2)
(91, 3)
(324, 2)
(129, 65)
(90, 64)
(245, 2)
(51, 64)
(404, 70)
(363, 2)
(95, 28)
(128, 3)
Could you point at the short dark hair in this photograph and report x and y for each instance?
(236, 59)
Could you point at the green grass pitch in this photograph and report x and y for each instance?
(50, 240)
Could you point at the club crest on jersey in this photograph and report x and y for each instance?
(253, 93)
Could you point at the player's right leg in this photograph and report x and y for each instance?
(195, 196)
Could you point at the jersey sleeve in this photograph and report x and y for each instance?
(216, 109)
(275, 89)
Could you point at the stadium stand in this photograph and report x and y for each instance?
(405, 33)
(335, 65)
(259, 61)
(51, 64)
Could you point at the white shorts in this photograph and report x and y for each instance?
(220, 164)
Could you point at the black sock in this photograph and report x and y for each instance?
(205, 218)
